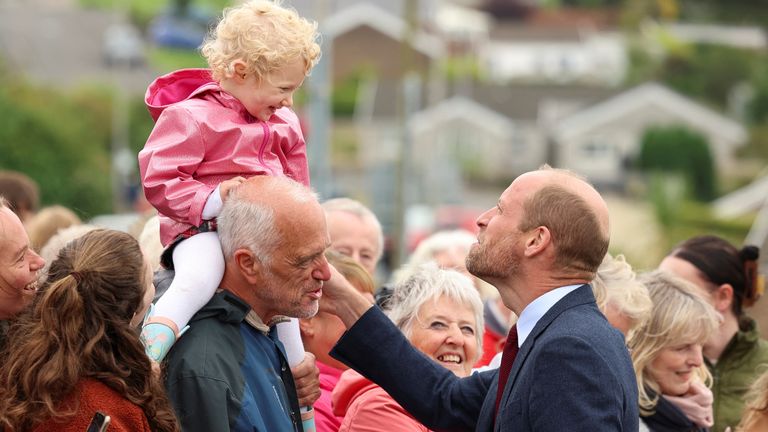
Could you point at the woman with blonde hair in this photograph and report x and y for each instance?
(727, 278)
(77, 352)
(667, 352)
(620, 295)
(755, 418)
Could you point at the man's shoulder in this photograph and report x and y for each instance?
(211, 348)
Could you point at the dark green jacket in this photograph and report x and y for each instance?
(229, 373)
(742, 361)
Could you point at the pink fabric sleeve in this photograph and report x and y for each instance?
(168, 162)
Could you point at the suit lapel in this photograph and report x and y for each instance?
(580, 295)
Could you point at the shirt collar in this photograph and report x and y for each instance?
(537, 308)
(255, 321)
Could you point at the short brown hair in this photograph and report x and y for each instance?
(20, 191)
(576, 232)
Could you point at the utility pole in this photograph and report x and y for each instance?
(319, 86)
(409, 98)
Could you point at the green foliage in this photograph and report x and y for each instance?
(677, 150)
(59, 140)
(344, 95)
(166, 60)
(142, 11)
(708, 72)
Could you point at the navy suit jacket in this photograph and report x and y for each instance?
(572, 373)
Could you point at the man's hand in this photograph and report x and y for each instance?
(306, 376)
(344, 300)
(696, 404)
(228, 185)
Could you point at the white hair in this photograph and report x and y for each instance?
(245, 223)
(429, 282)
(358, 209)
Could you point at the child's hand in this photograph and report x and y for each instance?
(228, 185)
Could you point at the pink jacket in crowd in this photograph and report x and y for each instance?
(204, 136)
(366, 407)
(325, 419)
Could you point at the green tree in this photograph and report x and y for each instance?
(678, 150)
(61, 141)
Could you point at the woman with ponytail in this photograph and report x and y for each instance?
(734, 355)
(77, 350)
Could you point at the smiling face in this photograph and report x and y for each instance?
(262, 97)
(445, 331)
(673, 368)
(18, 266)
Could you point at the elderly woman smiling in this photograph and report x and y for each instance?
(667, 354)
(441, 313)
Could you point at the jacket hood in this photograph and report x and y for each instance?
(350, 387)
(176, 87)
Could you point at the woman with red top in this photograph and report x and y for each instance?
(77, 352)
(441, 313)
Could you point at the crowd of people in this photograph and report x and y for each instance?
(248, 304)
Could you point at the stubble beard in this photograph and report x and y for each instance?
(485, 266)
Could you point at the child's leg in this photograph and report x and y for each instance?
(199, 265)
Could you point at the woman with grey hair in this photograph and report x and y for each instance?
(441, 313)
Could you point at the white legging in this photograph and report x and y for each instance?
(199, 265)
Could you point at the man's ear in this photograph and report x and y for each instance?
(249, 265)
(537, 241)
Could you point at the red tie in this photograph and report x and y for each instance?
(507, 358)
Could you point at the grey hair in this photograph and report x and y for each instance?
(358, 209)
(429, 282)
(433, 245)
(245, 223)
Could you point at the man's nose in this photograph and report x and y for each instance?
(323, 272)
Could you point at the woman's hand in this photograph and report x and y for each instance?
(696, 404)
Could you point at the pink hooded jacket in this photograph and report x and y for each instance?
(366, 407)
(203, 136)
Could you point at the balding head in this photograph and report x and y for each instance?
(274, 237)
(258, 210)
(573, 211)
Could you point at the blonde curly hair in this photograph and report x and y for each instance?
(264, 35)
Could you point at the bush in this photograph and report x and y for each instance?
(61, 142)
(679, 150)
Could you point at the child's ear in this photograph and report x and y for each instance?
(236, 70)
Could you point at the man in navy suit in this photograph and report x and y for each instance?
(569, 370)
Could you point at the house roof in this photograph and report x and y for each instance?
(516, 102)
(743, 201)
(383, 21)
(659, 97)
(457, 107)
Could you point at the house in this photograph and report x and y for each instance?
(561, 54)
(492, 133)
(598, 141)
(483, 133)
(367, 38)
